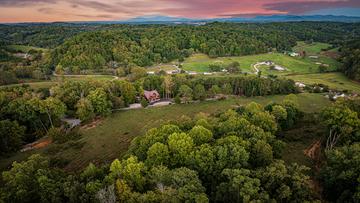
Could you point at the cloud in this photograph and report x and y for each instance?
(95, 16)
(21, 3)
(121, 9)
(303, 6)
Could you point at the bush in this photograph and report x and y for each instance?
(144, 102)
(177, 99)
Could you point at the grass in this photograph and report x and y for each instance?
(311, 49)
(164, 67)
(295, 65)
(112, 136)
(336, 81)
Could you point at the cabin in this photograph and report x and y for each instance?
(152, 96)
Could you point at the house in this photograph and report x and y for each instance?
(294, 54)
(151, 73)
(152, 96)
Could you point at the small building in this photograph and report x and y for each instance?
(71, 122)
(151, 73)
(294, 54)
(207, 73)
(299, 84)
(152, 96)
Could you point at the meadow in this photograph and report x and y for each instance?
(294, 65)
(311, 48)
(335, 80)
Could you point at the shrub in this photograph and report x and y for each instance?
(144, 102)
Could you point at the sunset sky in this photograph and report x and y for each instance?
(90, 10)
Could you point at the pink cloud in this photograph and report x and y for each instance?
(47, 10)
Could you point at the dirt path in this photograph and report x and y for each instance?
(37, 145)
(313, 152)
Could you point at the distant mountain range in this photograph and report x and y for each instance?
(155, 19)
(271, 18)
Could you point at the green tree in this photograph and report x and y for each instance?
(32, 181)
(233, 67)
(240, 187)
(11, 136)
(85, 110)
(200, 135)
(261, 154)
(285, 183)
(230, 152)
(53, 107)
(186, 93)
(99, 101)
(180, 146)
(341, 174)
(279, 112)
(158, 154)
(199, 92)
(214, 90)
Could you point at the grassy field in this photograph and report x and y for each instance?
(294, 65)
(164, 67)
(334, 80)
(311, 49)
(112, 136)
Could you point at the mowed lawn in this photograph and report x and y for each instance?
(336, 81)
(294, 65)
(111, 138)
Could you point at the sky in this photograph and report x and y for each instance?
(103, 10)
